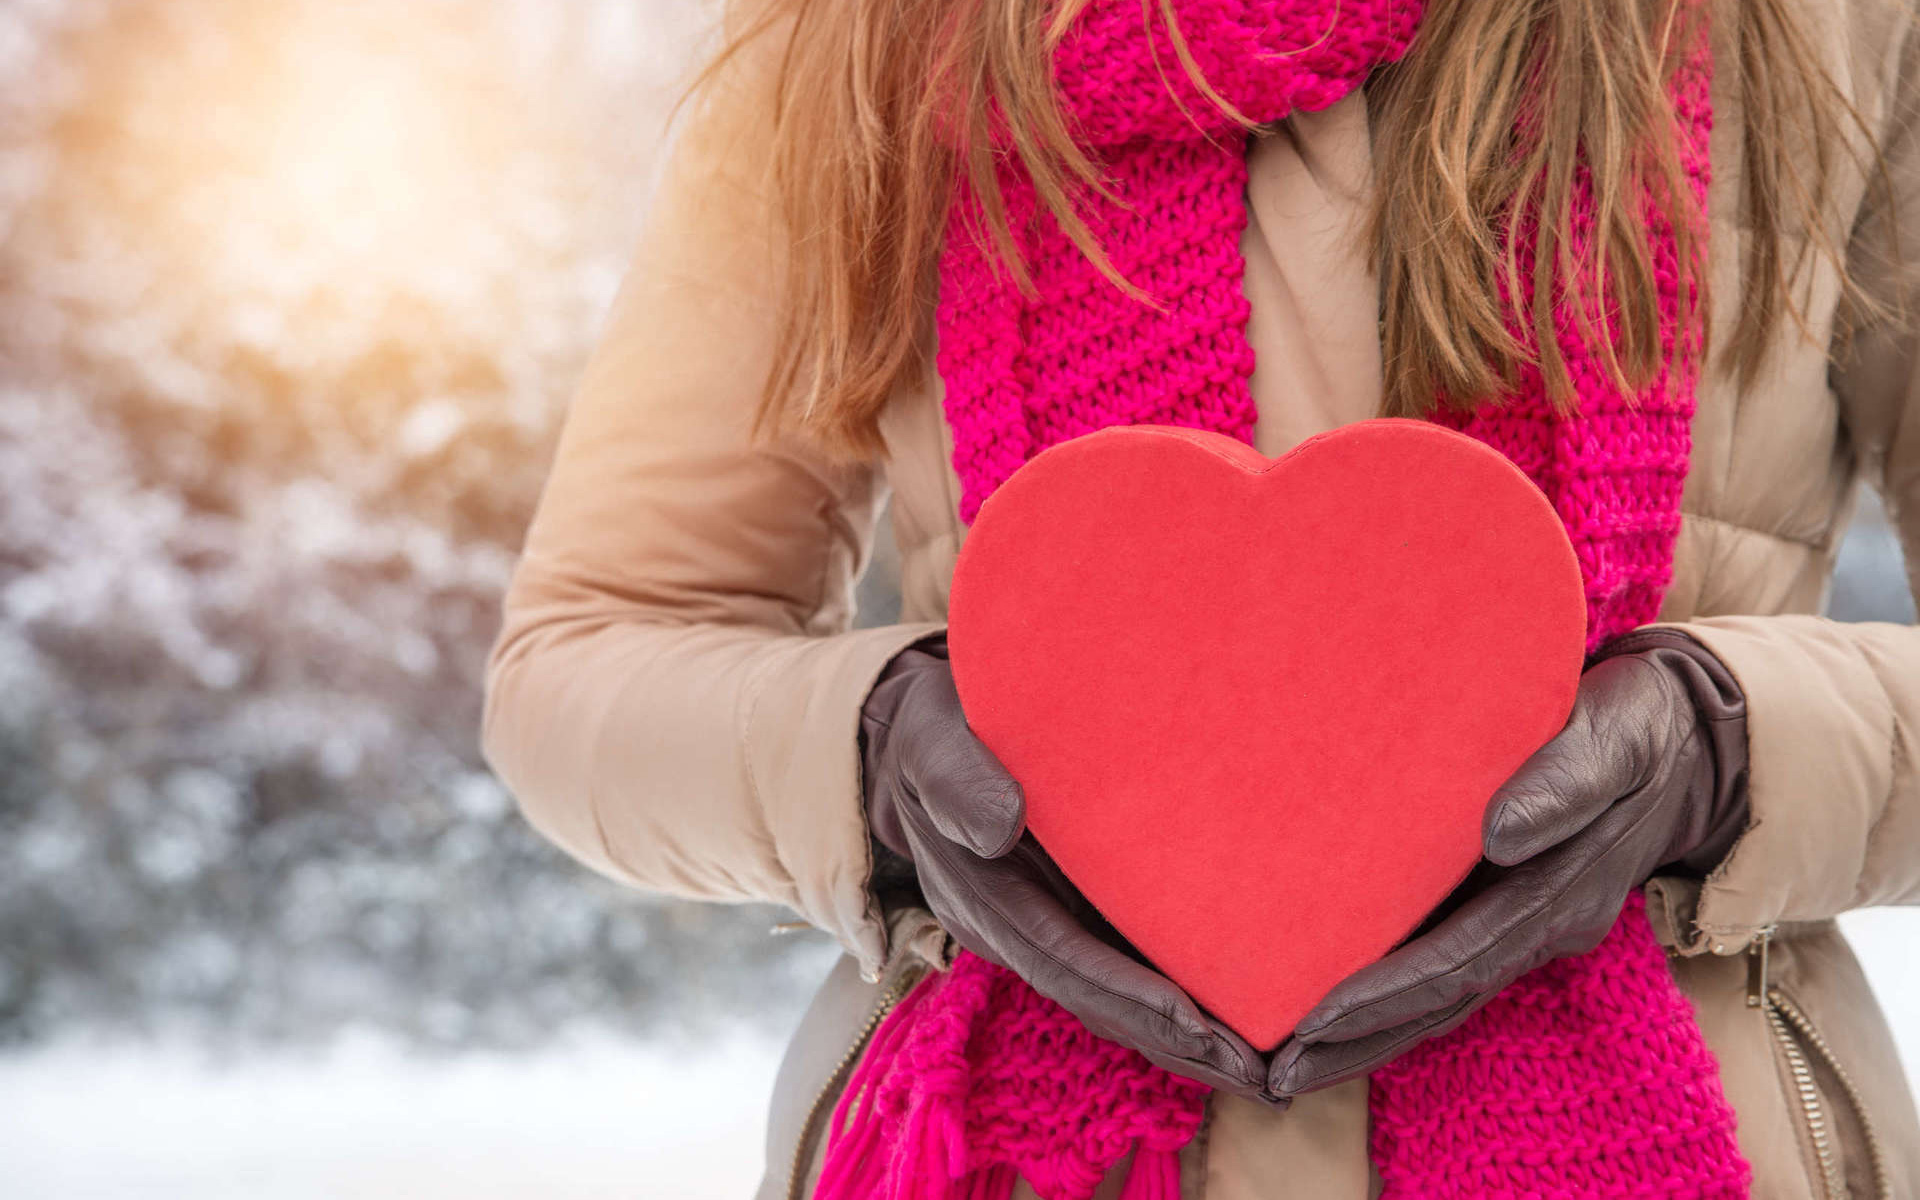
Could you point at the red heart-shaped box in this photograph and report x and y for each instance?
(1259, 705)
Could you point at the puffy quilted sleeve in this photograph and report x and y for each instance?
(1833, 707)
(674, 697)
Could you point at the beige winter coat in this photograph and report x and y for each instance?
(674, 696)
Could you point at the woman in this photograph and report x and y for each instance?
(904, 246)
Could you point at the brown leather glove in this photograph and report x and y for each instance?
(937, 796)
(1649, 773)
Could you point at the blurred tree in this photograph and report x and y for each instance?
(291, 297)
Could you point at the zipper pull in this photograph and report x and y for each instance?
(1757, 967)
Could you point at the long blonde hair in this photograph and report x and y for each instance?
(871, 94)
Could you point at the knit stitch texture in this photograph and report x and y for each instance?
(976, 1078)
(1588, 1077)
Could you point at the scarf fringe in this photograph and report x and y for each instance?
(859, 1154)
(900, 1130)
(1155, 1175)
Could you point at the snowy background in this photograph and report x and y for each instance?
(292, 294)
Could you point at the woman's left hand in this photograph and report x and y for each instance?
(1649, 772)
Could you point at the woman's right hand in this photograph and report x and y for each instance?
(936, 795)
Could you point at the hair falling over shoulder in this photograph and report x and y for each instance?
(883, 107)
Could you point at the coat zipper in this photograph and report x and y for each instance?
(837, 1079)
(1796, 1035)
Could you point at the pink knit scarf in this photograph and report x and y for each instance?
(1588, 1077)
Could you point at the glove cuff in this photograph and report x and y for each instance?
(1720, 807)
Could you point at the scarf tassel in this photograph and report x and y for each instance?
(878, 1152)
(1155, 1175)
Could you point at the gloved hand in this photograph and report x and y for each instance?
(1650, 772)
(936, 795)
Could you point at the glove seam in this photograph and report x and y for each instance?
(1035, 947)
(1427, 1022)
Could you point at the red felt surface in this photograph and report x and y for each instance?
(1259, 705)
